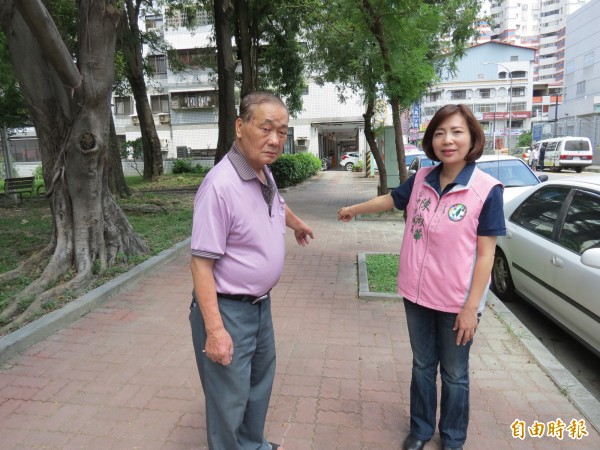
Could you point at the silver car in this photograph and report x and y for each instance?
(513, 173)
(551, 254)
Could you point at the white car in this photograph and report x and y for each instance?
(349, 160)
(551, 254)
(513, 173)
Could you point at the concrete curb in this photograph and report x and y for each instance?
(564, 380)
(14, 343)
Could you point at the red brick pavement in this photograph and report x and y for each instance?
(124, 375)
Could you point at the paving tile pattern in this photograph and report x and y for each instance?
(124, 375)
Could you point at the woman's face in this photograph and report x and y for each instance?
(452, 140)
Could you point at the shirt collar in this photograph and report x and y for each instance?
(433, 177)
(240, 163)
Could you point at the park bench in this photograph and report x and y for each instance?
(18, 186)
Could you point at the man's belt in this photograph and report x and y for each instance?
(244, 298)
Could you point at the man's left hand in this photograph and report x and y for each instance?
(302, 234)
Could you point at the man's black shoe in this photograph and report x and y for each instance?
(412, 443)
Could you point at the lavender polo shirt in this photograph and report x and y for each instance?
(232, 225)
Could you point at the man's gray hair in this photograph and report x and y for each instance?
(254, 99)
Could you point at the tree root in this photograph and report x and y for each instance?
(37, 290)
(33, 264)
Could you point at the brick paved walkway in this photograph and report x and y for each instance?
(124, 376)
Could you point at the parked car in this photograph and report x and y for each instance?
(513, 173)
(409, 156)
(349, 160)
(551, 254)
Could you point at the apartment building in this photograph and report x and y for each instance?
(496, 80)
(185, 105)
(579, 114)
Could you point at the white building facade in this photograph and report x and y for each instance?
(185, 105)
(496, 81)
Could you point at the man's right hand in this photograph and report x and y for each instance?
(219, 347)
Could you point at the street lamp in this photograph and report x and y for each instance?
(509, 102)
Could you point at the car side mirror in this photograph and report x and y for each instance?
(411, 172)
(543, 177)
(591, 258)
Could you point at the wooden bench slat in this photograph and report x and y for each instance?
(20, 186)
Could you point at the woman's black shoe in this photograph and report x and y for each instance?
(412, 443)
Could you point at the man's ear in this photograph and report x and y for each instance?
(238, 127)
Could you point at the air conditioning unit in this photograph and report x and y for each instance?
(302, 142)
(164, 118)
(135, 119)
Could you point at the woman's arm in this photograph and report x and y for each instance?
(466, 321)
(377, 204)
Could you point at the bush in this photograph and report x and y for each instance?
(183, 166)
(290, 170)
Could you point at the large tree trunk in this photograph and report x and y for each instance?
(72, 124)
(370, 136)
(131, 46)
(226, 70)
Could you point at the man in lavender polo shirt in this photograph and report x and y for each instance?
(237, 257)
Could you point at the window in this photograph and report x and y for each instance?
(25, 150)
(518, 106)
(159, 103)
(484, 108)
(289, 143)
(519, 74)
(517, 92)
(570, 66)
(157, 64)
(581, 87)
(581, 230)
(153, 22)
(458, 95)
(434, 96)
(189, 18)
(515, 124)
(539, 212)
(122, 106)
(194, 100)
(484, 93)
(198, 57)
(588, 59)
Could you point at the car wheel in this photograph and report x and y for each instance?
(349, 167)
(502, 282)
(578, 169)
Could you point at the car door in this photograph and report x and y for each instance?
(529, 238)
(576, 302)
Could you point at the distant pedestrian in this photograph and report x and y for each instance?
(454, 214)
(237, 258)
(533, 157)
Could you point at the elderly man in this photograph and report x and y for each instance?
(237, 258)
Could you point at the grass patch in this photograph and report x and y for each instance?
(27, 228)
(382, 272)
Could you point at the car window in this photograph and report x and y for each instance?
(538, 213)
(510, 173)
(581, 230)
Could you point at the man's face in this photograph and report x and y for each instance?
(262, 138)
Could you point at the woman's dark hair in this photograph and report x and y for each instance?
(254, 99)
(477, 135)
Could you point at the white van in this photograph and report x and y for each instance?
(564, 153)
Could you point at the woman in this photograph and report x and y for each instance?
(454, 214)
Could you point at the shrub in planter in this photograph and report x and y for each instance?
(290, 170)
